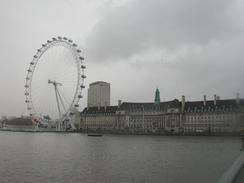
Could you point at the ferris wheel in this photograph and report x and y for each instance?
(54, 82)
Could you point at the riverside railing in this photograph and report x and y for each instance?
(230, 175)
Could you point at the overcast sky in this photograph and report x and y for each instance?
(183, 47)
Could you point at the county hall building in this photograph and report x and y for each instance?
(206, 116)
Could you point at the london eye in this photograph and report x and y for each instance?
(54, 82)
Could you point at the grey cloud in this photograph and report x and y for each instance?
(183, 47)
(140, 25)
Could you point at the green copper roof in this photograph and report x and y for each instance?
(157, 96)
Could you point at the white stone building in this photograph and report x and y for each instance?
(97, 118)
(184, 117)
(213, 116)
(150, 117)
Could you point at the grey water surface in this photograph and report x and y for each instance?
(60, 157)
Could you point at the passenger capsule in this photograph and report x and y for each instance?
(83, 76)
(26, 86)
(35, 56)
(70, 40)
(83, 67)
(29, 70)
(54, 39)
(26, 93)
(75, 45)
(32, 63)
(76, 105)
(59, 37)
(39, 50)
(79, 96)
(27, 101)
(48, 41)
(78, 51)
(65, 38)
(43, 45)
(81, 58)
(82, 86)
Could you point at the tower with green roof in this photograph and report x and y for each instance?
(157, 96)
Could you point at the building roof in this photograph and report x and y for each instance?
(221, 105)
(99, 82)
(149, 106)
(96, 110)
(190, 106)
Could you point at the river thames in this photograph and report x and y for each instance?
(60, 157)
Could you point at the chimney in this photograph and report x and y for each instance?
(99, 105)
(119, 103)
(183, 100)
(204, 100)
(237, 98)
(105, 106)
(215, 99)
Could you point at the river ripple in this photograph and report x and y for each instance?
(54, 157)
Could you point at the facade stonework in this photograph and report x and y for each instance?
(214, 116)
(103, 118)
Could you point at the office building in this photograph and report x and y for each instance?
(98, 94)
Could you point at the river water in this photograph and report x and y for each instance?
(60, 157)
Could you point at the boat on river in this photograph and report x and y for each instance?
(95, 134)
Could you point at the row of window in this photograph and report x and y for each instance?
(211, 117)
(212, 129)
(99, 125)
(98, 114)
(99, 122)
